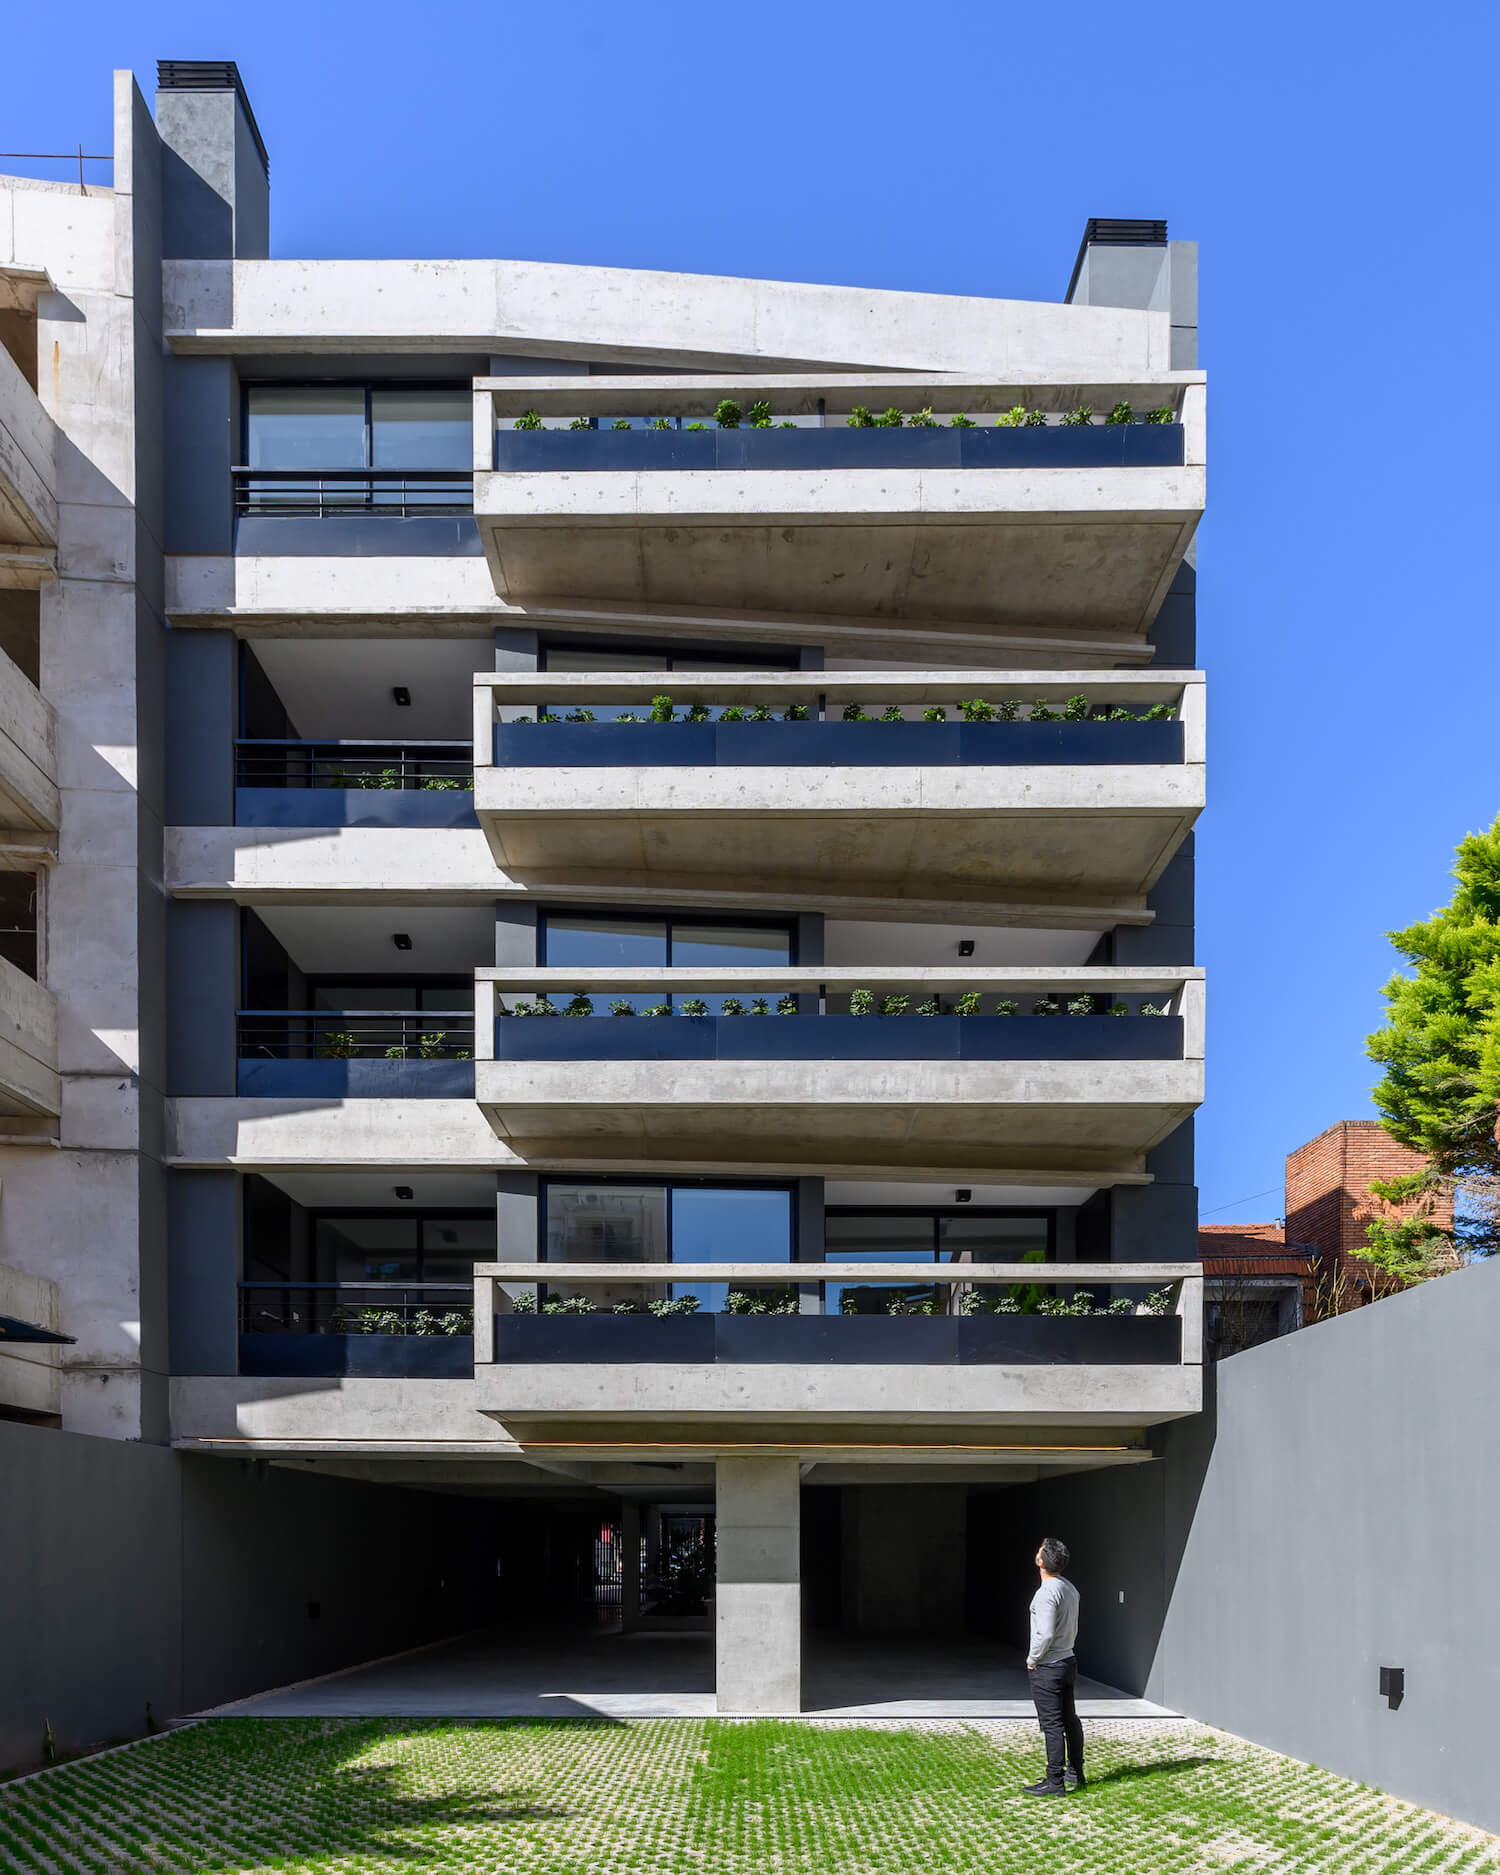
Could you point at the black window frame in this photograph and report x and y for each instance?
(549, 1179)
(367, 385)
(1048, 1213)
(465, 1214)
(654, 914)
(759, 657)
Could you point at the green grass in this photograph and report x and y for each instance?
(676, 1796)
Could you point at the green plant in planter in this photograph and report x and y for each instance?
(967, 1003)
(1160, 1302)
(1005, 1008)
(1011, 419)
(759, 1006)
(1076, 710)
(581, 423)
(568, 1305)
(1005, 710)
(961, 422)
(432, 1047)
(660, 423)
(794, 713)
(548, 716)
(854, 713)
(695, 426)
(579, 1004)
(761, 713)
(584, 715)
(892, 714)
(924, 419)
(629, 716)
(657, 1009)
(441, 784)
(861, 1002)
(976, 710)
(929, 1006)
(1041, 714)
(661, 710)
(679, 1305)
(732, 713)
(786, 426)
(698, 713)
(895, 1005)
(694, 1006)
(523, 1304)
(891, 419)
(1079, 418)
(904, 1305)
(1122, 413)
(545, 1006)
(1035, 420)
(628, 1308)
(620, 423)
(622, 1006)
(935, 714)
(760, 415)
(731, 1006)
(528, 420)
(1116, 715)
(1158, 713)
(1153, 1009)
(727, 414)
(395, 1054)
(1080, 1005)
(787, 1005)
(1119, 1009)
(338, 1045)
(1122, 1305)
(1165, 415)
(1046, 1006)
(859, 419)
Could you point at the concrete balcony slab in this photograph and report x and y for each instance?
(28, 464)
(29, 1083)
(29, 801)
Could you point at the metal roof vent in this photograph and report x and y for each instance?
(213, 75)
(1102, 231)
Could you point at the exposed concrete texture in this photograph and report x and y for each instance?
(30, 1376)
(639, 317)
(758, 1592)
(29, 800)
(28, 463)
(29, 1081)
(308, 1413)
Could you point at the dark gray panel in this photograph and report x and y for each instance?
(360, 536)
(515, 935)
(203, 1259)
(201, 417)
(203, 975)
(200, 727)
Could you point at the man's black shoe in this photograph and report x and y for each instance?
(1041, 1788)
(1075, 1780)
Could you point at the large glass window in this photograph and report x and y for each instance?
(599, 1223)
(422, 427)
(583, 658)
(381, 1248)
(305, 426)
(925, 1237)
(657, 943)
(357, 426)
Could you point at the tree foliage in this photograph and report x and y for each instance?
(1440, 1049)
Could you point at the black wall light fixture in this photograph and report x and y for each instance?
(1393, 1686)
(966, 947)
(962, 1195)
(404, 1193)
(401, 697)
(401, 940)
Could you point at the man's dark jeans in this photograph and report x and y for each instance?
(1052, 1694)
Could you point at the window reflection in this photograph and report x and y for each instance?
(927, 1237)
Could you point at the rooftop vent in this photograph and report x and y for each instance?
(1102, 231)
(214, 75)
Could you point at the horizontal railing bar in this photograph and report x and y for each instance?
(351, 742)
(1045, 1275)
(842, 977)
(294, 1282)
(465, 475)
(917, 686)
(451, 1019)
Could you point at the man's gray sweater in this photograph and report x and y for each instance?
(1054, 1622)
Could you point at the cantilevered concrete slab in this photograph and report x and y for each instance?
(29, 802)
(28, 481)
(30, 1088)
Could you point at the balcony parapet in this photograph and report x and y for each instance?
(28, 481)
(29, 800)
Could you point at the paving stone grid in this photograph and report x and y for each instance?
(578, 1797)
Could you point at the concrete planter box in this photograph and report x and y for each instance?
(829, 745)
(356, 807)
(371, 1357)
(858, 1340)
(1094, 446)
(314, 1078)
(838, 1038)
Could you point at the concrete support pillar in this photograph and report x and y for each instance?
(630, 1565)
(758, 1594)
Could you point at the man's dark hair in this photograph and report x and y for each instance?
(1055, 1555)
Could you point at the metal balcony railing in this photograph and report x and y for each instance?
(322, 494)
(431, 764)
(368, 1308)
(354, 1035)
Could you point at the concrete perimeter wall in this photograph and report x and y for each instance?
(1337, 1510)
(131, 1574)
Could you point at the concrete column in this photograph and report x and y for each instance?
(758, 1593)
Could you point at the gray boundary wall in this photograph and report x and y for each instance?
(132, 1574)
(1337, 1510)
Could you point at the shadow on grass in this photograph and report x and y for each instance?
(1124, 1773)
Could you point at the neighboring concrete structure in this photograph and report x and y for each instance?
(288, 551)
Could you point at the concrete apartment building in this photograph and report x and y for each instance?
(338, 601)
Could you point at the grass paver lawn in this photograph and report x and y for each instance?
(675, 1796)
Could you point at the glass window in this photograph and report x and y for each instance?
(305, 426)
(993, 1239)
(423, 427)
(873, 1237)
(726, 1226)
(366, 1249)
(561, 658)
(603, 943)
(451, 1246)
(716, 947)
(602, 1223)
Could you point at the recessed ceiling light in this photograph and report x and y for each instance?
(962, 1195)
(401, 940)
(403, 1192)
(401, 696)
(966, 947)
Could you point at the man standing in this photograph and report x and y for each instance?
(1054, 1672)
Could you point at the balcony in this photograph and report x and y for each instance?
(29, 1084)
(357, 1054)
(28, 481)
(1069, 821)
(370, 1330)
(1053, 526)
(724, 1379)
(980, 1071)
(288, 782)
(29, 803)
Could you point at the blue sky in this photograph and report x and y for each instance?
(1336, 164)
